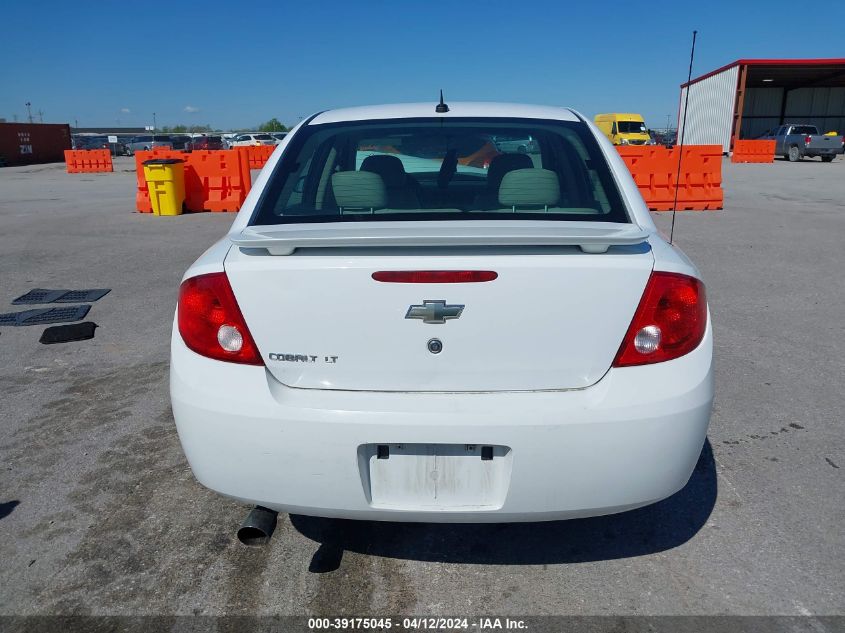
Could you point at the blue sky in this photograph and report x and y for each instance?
(236, 64)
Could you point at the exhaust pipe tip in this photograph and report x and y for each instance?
(258, 526)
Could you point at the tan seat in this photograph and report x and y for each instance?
(499, 167)
(529, 189)
(401, 189)
(358, 191)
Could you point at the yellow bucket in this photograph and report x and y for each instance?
(166, 182)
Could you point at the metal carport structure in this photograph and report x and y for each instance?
(745, 98)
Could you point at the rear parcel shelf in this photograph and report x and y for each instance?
(590, 237)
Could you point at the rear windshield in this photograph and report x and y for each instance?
(441, 169)
(804, 129)
(262, 137)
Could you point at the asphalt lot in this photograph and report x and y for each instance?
(100, 514)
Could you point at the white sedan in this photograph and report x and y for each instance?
(400, 326)
(246, 140)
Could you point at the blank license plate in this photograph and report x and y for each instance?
(436, 476)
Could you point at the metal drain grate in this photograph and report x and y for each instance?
(42, 295)
(83, 296)
(43, 316)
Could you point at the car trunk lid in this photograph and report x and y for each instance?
(553, 318)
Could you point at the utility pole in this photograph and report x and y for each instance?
(29, 111)
(41, 115)
(154, 126)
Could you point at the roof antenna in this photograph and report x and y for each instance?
(441, 107)
(683, 133)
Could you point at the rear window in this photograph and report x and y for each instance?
(441, 169)
(263, 137)
(804, 129)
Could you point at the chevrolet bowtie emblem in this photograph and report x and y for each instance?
(434, 311)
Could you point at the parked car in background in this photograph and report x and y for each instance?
(279, 136)
(515, 144)
(795, 141)
(101, 142)
(179, 141)
(355, 348)
(147, 142)
(204, 142)
(664, 137)
(624, 129)
(252, 139)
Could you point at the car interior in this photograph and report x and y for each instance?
(352, 171)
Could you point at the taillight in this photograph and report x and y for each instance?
(434, 276)
(807, 140)
(211, 323)
(669, 322)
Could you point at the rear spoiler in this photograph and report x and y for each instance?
(591, 237)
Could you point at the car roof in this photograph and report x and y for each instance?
(458, 109)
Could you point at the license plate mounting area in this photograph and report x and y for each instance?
(435, 477)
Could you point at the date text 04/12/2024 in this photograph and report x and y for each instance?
(417, 623)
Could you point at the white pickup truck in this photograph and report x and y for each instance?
(797, 141)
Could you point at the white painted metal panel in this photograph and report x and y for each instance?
(711, 110)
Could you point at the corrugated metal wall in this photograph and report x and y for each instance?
(711, 110)
(822, 107)
(763, 103)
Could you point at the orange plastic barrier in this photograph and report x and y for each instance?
(655, 170)
(257, 155)
(86, 161)
(215, 180)
(753, 152)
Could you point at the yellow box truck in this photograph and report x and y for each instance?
(624, 129)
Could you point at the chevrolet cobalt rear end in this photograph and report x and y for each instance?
(406, 323)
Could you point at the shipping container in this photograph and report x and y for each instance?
(32, 143)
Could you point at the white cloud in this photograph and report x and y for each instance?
(191, 109)
(125, 110)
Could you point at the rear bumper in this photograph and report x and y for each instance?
(630, 440)
(822, 151)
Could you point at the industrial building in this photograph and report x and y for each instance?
(748, 97)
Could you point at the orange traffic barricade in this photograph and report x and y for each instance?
(215, 180)
(655, 171)
(257, 155)
(757, 151)
(86, 161)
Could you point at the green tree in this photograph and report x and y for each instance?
(273, 125)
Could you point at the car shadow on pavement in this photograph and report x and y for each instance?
(655, 528)
(7, 508)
